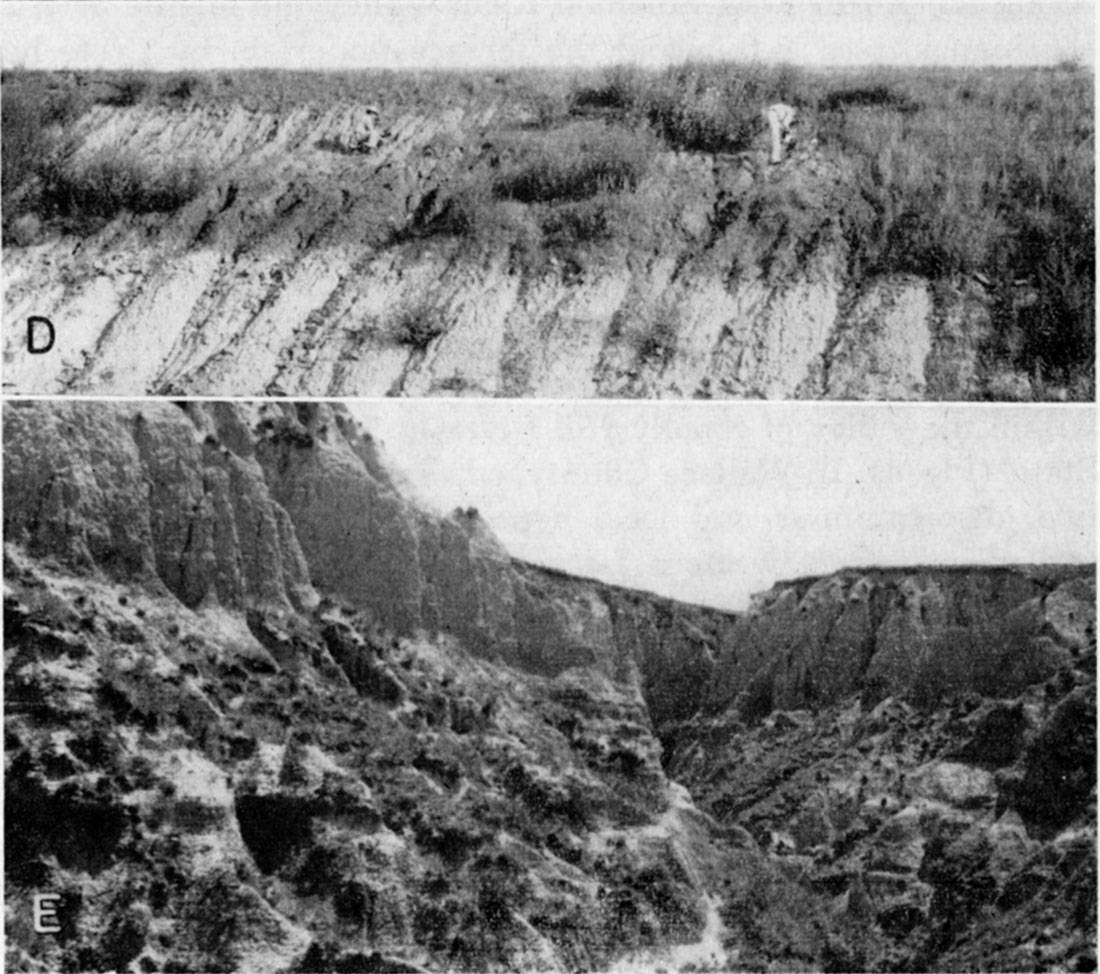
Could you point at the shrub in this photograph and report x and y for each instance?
(757, 700)
(713, 107)
(871, 96)
(655, 341)
(572, 224)
(182, 87)
(576, 164)
(621, 90)
(111, 181)
(130, 87)
(418, 325)
(34, 119)
(700, 122)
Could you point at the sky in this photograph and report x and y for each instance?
(712, 502)
(211, 34)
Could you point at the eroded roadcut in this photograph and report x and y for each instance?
(307, 268)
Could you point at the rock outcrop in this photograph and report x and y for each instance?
(265, 712)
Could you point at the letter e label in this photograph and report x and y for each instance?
(45, 913)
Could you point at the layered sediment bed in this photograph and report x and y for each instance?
(306, 269)
(265, 711)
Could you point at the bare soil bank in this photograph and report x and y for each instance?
(515, 237)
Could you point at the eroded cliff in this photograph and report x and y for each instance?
(266, 712)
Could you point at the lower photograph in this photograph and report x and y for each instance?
(548, 686)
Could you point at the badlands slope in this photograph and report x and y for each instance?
(263, 712)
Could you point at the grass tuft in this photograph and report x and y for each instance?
(577, 163)
(655, 342)
(418, 325)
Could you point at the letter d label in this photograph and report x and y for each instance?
(39, 349)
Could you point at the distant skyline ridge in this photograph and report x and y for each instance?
(334, 34)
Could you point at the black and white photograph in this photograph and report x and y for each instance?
(753, 688)
(888, 201)
(544, 486)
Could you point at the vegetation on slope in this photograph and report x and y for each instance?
(984, 172)
(949, 173)
(945, 173)
(45, 179)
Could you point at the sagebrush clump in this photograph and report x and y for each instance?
(112, 181)
(418, 325)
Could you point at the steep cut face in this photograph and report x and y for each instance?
(263, 711)
(918, 748)
(922, 633)
(303, 268)
(144, 494)
(272, 505)
(263, 768)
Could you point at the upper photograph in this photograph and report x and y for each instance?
(873, 201)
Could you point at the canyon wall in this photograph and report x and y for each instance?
(265, 711)
(278, 505)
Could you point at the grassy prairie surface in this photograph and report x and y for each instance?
(984, 174)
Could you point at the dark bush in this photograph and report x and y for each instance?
(757, 700)
(621, 91)
(88, 191)
(418, 325)
(700, 126)
(34, 117)
(656, 342)
(182, 87)
(874, 96)
(129, 89)
(713, 107)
